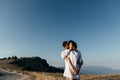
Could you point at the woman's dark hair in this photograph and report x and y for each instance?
(64, 43)
(73, 43)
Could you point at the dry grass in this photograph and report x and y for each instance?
(105, 77)
(58, 76)
(47, 76)
(5, 64)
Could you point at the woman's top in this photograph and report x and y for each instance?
(74, 57)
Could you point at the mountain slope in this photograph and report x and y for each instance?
(35, 64)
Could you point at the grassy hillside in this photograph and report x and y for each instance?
(35, 64)
(26, 66)
(29, 64)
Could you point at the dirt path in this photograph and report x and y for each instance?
(5, 75)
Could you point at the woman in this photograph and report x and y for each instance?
(73, 62)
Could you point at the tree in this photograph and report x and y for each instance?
(4, 58)
(9, 57)
(15, 57)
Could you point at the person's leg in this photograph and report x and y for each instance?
(71, 79)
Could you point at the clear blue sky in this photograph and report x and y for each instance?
(38, 27)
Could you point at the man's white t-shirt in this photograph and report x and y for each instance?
(74, 57)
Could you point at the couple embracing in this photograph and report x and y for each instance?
(73, 60)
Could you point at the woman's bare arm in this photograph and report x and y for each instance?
(70, 65)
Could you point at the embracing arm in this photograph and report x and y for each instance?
(70, 65)
(64, 56)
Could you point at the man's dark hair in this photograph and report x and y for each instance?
(64, 43)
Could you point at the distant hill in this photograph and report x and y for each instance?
(35, 64)
(98, 70)
(28, 63)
